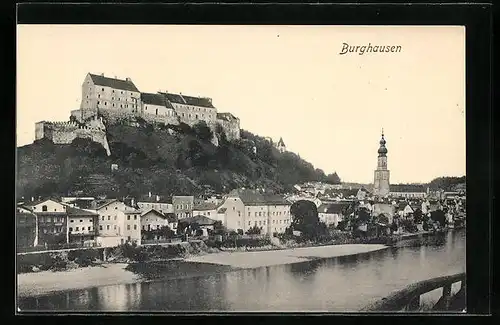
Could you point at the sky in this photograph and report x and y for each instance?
(281, 81)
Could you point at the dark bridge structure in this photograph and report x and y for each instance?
(408, 299)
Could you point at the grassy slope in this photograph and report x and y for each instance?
(154, 160)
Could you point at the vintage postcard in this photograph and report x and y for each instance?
(207, 168)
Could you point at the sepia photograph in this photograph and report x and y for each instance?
(240, 168)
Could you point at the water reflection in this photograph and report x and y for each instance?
(345, 283)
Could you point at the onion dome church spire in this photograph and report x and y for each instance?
(382, 151)
(381, 187)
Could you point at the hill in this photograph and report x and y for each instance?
(162, 159)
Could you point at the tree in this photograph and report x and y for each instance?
(202, 131)
(439, 217)
(254, 230)
(333, 178)
(305, 219)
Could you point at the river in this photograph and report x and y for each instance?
(341, 284)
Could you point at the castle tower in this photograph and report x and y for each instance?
(381, 180)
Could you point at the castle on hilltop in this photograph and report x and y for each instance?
(120, 100)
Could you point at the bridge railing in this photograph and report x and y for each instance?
(408, 299)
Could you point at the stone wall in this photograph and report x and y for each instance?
(66, 132)
(231, 128)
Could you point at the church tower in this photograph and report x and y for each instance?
(381, 181)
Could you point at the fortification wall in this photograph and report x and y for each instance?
(152, 118)
(66, 132)
(86, 113)
(231, 128)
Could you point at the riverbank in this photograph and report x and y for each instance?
(283, 256)
(45, 282)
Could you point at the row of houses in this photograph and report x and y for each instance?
(110, 222)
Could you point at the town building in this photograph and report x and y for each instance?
(206, 209)
(52, 220)
(245, 208)
(381, 179)
(118, 223)
(156, 203)
(408, 191)
(82, 225)
(183, 206)
(26, 228)
(332, 213)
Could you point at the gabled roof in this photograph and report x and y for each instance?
(199, 219)
(204, 206)
(413, 188)
(222, 210)
(153, 99)
(37, 202)
(155, 212)
(99, 204)
(281, 143)
(76, 212)
(226, 116)
(189, 100)
(252, 197)
(333, 208)
(113, 83)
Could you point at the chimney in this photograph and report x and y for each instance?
(102, 74)
(128, 79)
(132, 202)
(149, 194)
(157, 198)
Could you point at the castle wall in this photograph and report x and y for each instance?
(193, 114)
(39, 130)
(85, 113)
(231, 128)
(66, 132)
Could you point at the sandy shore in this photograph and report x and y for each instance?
(285, 256)
(45, 282)
(40, 283)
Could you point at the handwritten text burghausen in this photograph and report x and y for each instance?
(362, 49)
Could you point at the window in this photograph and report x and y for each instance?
(264, 222)
(70, 229)
(109, 218)
(135, 227)
(98, 96)
(98, 102)
(89, 228)
(135, 217)
(128, 217)
(128, 227)
(249, 213)
(105, 103)
(107, 227)
(233, 208)
(100, 227)
(113, 105)
(102, 218)
(114, 227)
(102, 89)
(81, 220)
(143, 227)
(249, 223)
(115, 217)
(44, 208)
(71, 220)
(239, 214)
(76, 228)
(260, 214)
(49, 219)
(255, 213)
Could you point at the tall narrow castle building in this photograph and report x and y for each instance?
(381, 180)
